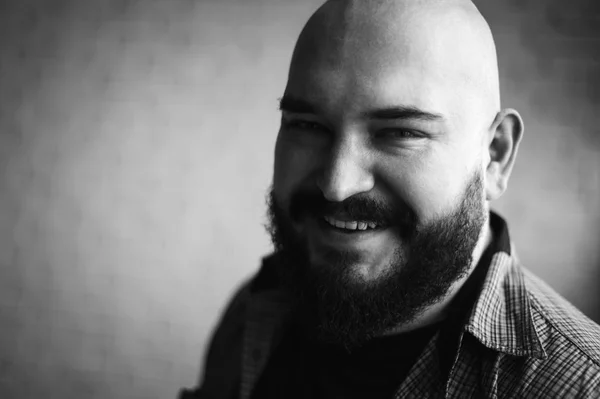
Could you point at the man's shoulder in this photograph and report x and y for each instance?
(263, 280)
(257, 297)
(551, 348)
(222, 368)
(559, 324)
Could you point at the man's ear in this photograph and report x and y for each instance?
(505, 135)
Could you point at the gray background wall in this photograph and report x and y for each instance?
(136, 146)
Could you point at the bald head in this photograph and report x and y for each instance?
(433, 53)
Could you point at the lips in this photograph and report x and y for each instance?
(334, 233)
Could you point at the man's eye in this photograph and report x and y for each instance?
(304, 125)
(397, 134)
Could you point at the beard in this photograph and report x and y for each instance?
(332, 305)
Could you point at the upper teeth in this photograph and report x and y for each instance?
(352, 225)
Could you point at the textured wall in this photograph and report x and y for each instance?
(549, 56)
(136, 146)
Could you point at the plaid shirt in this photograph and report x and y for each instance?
(520, 340)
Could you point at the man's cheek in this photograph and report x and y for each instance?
(291, 174)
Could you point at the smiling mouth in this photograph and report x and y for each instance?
(350, 226)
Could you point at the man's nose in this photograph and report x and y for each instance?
(346, 173)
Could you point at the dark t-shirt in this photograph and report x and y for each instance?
(299, 369)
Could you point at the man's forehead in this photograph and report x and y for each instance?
(341, 93)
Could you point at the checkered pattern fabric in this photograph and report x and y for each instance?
(521, 340)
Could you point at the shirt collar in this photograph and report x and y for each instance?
(501, 318)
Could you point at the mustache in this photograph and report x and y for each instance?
(362, 208)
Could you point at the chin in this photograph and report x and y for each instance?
(363, 273)
(351, 270)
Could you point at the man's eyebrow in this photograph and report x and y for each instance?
(296, 105)
(403, 112)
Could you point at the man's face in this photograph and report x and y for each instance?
(377, 200)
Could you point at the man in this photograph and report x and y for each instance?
(391, 278)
